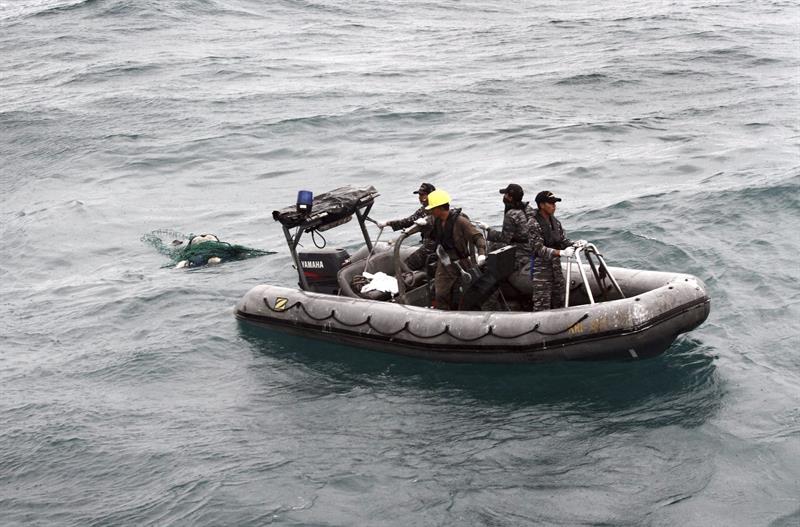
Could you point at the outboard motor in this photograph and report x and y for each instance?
(321, 266)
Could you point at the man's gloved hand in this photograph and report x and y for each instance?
(568, 252)
(580, 244)
(422, 222)
(481, 259)
(481, 225)
(381, 224)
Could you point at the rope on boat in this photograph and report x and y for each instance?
(584, 317)
(407, 329)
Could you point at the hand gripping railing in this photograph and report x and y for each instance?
(600, 271)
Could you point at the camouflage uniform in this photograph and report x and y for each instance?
(417, 259)
(516, 232)
(549, 286)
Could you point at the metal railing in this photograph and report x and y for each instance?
(600, 272)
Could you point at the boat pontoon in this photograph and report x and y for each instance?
(611, 313)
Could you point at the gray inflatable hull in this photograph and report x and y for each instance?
(660, 307)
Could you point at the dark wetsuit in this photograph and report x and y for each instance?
(457, 236)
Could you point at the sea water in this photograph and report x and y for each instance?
(129, 394)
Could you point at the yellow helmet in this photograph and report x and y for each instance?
(437, 198)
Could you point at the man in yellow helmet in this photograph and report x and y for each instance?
(454, 232)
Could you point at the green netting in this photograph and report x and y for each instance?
(180, 247)
(156, 240)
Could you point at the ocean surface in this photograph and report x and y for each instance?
(130, 395)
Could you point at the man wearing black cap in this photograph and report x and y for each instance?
(548, 243)
(417, 259)
(515, 229)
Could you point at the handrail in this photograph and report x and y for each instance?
(398, 262)
(589, 249)
(588, 288)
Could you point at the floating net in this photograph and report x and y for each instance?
(196, 250)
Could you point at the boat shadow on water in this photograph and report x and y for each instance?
(679, 387)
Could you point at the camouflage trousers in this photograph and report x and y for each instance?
(549, 287)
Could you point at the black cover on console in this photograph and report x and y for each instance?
(329, 207)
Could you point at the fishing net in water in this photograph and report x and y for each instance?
(197, 250)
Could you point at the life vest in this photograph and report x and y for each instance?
(548, 235)
(443, 234)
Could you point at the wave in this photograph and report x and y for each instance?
(28, 8)
(786, 192)
(724, 55)
(101, 73)
(107, 9)
(177, 11)
(681, 229)
(358, 115)
(653, 122)
(589, 78)
(683, 72)
(321, 7)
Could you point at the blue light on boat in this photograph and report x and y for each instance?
(305, 198)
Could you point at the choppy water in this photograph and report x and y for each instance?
(129, 394)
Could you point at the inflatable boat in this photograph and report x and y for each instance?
(611, 313)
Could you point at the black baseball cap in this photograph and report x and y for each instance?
(513, 190)
(425, 188)
(546, 196)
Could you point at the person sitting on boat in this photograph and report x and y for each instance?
(548, 242)
(417, 259)
(514, 232)
(456, 235)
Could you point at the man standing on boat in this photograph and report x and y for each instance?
(548, 243)
(514, 232)
(456, 234)
(417, 259)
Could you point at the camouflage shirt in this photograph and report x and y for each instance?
(404, 223)
(515, 231)
(541, 249)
